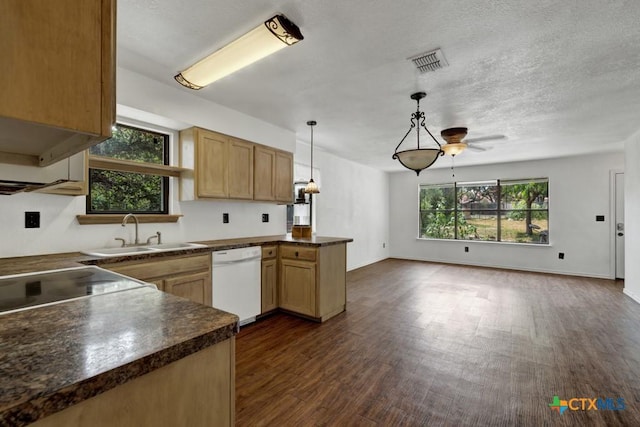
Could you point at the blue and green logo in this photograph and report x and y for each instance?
(587, 404)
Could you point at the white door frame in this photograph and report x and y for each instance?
(612, 221)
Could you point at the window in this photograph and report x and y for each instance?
(503, 211)
(122, 176)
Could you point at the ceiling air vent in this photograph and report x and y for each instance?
(429, 61)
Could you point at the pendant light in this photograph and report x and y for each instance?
(312, 187)
(418, 159)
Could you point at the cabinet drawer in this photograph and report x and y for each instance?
(298, 252)
(269, 252)
(161, 267)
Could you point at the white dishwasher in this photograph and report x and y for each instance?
(236, 282)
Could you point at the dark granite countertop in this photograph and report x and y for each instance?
(55, 356)
(27, 264)
(52, 357)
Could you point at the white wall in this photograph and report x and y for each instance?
(353, 202)
(143, 99)
(181, 107)
(632, 216)
(60, 232)
(579, 189)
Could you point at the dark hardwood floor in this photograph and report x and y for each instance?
(433, 344)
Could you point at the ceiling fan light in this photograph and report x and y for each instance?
(454, 148)
(267, 38)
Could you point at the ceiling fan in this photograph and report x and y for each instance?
(455, 144)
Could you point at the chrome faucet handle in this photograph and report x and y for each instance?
(155, 236)
(124, 242)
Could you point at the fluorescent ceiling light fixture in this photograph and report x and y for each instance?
(418, 158)
(265, 39)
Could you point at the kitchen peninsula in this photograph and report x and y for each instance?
(140, 354)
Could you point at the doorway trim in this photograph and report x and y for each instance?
(612, 221)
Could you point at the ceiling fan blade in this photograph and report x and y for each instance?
(476, 148)
(481, 139)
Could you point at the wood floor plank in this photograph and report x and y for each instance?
(434, 344)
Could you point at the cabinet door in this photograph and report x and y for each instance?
(240, 179)
(284, 177)
(265, 160)
(211, 168)
(52, 56)
(195, 287)
(298, 286)
(269, 285)
(58, 78)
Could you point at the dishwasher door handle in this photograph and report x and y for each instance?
(236, 261)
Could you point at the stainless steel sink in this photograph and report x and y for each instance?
(134, 250)
(173, 246)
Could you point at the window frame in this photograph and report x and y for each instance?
(499, 210)
(130, 166)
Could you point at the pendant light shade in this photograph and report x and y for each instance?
(267, 38)
(312, 187)
(418, 159)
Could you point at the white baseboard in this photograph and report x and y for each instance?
(631, 295)
(510, 267)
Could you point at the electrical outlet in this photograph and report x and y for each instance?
(265, 217)
(466, 248)
(32, 220)
(225, 218)
(561, 255)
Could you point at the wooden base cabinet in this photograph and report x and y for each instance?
(313, 280)
(187, 276)
(269, 281)
(198, 390)
(298, 281)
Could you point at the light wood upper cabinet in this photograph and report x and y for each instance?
(211, 167)
(273, 179)
(240, 164)
(264, 177)
(224, 167)
(58, 78)
(284, 177)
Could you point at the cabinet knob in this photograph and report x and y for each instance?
(270, 252)
(296, 254)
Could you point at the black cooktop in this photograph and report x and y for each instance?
(22, 291)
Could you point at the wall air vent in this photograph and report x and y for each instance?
(429, 61)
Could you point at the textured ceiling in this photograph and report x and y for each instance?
(555, 77)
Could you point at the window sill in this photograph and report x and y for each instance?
(537, 245)
(117, 218)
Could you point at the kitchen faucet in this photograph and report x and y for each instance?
(135, 219)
